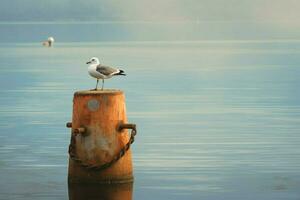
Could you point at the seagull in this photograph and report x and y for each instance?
(49, 42)
(99, 71)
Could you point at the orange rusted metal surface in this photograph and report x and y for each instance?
(97, 116)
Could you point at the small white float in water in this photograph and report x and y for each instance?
(49, 42)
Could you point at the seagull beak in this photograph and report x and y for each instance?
(88, 62)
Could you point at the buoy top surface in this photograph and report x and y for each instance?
(98, 92)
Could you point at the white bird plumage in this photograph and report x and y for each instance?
(99, 71)
(49, 42)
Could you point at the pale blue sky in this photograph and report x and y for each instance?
(217, 19)
(155, 10)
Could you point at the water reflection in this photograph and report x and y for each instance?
(223, 130)
(100, 191)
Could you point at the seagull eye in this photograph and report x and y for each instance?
(93, 59)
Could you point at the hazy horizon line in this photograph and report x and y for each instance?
(172, 41)
(143, 21)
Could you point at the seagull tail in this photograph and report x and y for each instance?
(121, 72)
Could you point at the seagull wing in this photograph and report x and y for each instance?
(106, 70)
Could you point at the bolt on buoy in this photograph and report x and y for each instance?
(99, 150)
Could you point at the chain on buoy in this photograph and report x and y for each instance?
(99, 149)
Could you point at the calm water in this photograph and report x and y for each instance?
(216, 119)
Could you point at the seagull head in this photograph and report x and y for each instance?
(93, 60)
(50, 39)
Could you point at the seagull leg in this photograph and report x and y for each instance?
(102, 84)
(97, 84)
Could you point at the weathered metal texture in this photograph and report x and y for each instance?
(98, 114)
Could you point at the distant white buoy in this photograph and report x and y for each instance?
(49, 42)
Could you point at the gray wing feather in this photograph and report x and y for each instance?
(106, 70)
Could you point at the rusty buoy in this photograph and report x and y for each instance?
(99, 150)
